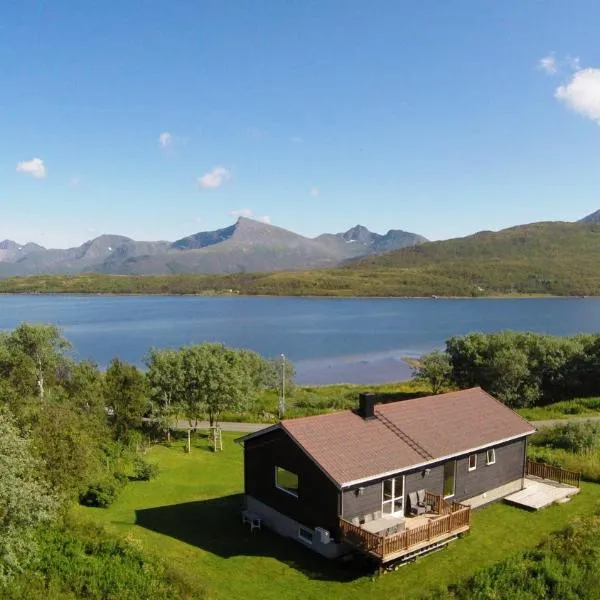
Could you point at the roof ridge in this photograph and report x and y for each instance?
(403, 435)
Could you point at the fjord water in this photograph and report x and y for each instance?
(329, 340)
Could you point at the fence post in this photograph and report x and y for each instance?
(429, 530)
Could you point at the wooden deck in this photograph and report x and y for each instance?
(444, 523)
(545, 485)
(544, 471)
(539, 493)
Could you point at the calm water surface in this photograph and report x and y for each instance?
(329, 340)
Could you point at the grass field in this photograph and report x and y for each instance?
(567, 409)
(190, 517)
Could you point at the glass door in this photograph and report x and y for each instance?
(393, 496)
(449, 478)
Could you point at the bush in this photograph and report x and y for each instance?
(82, 560)
(100, 494)
(121, 478)
(572, 437)
(143, 470)
(565, 566)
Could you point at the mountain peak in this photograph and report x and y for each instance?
(359, 233)
(9, 245)
(591, 218)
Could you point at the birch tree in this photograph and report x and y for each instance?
(166, 380)
(25, 499)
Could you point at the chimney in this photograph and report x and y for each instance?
(366, 405)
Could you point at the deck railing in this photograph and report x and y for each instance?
(445, 525)
(353, 534)
(453, 517)
(544, 471)
(439, 505)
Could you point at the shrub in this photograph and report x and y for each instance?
(82, 560)
(121, 478)
(572, 437)
(100, 494)
(144, 470)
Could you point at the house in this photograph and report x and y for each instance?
(393, 479)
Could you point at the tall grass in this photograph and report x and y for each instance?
(575, 446)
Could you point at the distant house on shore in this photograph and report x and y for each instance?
(392, 480)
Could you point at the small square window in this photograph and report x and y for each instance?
(490, 456)
(305, 534)
(472, 462)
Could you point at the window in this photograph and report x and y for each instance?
(393, 496)
(306, 535)
(472, 462)
(286, 481)
(449, 478)
(490, 456)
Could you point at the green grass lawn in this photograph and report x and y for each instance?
(190, 517)
(567, 409)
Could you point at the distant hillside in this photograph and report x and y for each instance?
(246, 246)
(592, 218)
(552, 258)
(359, 241)
(541, 258)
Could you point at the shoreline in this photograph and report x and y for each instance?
(303, 296)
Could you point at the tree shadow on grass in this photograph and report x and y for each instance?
(215, 525)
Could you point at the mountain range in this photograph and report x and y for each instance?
(246, 246)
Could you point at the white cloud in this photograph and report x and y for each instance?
(241, 212)
(165, 139)
(314, 191)
(34, 167)
(548, 64)
(265, 219)
(215, 178)
(296, 139)
(582, 93)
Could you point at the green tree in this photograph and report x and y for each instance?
(167, 384)
(217, 379)
(36, 354)
(435, 369)
(126, 397)
(25, 498)
(278, 371)
(70, 440)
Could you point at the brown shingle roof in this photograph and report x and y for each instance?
(404, 434)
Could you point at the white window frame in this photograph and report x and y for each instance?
(279, 487)
(469, 463)
(395, 496)
(308, 532)
(487, 456)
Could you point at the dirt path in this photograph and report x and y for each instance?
(252, 427)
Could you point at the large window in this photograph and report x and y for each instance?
(393, 496)
(286, 481)
(449, 478)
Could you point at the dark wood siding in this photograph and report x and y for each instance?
(357, 504)
(317, 504)
(510, 463)
(417, 480)
(510, 460)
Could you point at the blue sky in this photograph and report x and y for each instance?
(156, 119)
